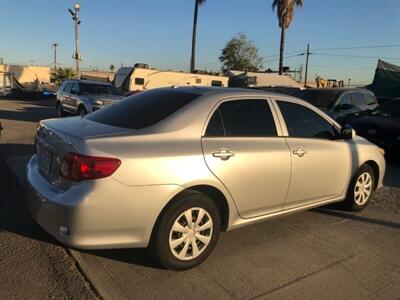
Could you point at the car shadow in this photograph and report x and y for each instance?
(354, 217)
(134, 256)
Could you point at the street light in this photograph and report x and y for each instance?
(76, 55)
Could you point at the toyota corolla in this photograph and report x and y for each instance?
(170, 168)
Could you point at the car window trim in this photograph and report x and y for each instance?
(236, 98)
(285, 131)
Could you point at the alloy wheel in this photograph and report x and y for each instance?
(363, 188)
(191, 233)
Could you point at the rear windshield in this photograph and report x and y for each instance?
(143, 109)
(324, 100)
(97, 89)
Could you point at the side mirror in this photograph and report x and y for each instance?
(347, 133)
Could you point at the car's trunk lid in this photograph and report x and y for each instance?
(55, 137)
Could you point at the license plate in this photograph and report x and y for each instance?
(44, 158)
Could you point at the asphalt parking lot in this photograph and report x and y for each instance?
(323, 253)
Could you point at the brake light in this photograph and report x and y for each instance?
(77, 167)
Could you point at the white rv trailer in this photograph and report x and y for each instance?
(141, 77)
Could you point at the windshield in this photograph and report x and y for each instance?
(388, 109)
(324, 100)
(143, 109)
(98, 89)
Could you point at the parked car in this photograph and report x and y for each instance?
(170, 168)
(382, 126)
(341, 104)
(81, 97)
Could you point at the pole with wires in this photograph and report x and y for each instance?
(306, 71)
(55, 58)
(76, 55)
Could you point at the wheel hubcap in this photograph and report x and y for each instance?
(191, 233)
(363, 188)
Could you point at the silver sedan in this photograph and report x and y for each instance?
(171, 168)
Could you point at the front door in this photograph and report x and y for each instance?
(320, 162)
(243, 150)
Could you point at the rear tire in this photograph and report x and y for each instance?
(186, 232)
(59, 110)
(361, 189)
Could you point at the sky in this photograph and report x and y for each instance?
(158, 32)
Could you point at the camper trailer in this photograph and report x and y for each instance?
(141, 77)
(5, 84)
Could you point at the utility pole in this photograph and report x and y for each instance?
(307, 55)
(55, 58)
(193, 55)
(76, 55)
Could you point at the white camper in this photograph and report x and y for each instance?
(141, 77)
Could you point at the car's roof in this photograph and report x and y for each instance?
(222, 91)
(88, 81)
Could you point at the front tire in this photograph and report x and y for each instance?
(361, 188)
(59, 110)
(187, 232)
(82, 111)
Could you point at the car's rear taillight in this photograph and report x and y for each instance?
(77, 167)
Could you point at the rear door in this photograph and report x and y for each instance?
(244, 149)
(321, 163)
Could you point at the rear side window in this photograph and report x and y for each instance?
(358, 99)
(242, 118)
(143, 109)
(302, 122)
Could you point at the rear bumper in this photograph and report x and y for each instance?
(96, 214)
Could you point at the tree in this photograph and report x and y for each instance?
(112, 68)
(285, 12)
(197, 3)
(64, 73)
(240, 54)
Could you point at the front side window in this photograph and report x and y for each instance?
(67, 88)
(242, 118)
(74, 89)
(345, 99)
(302, 122)
(358, 99)
(370, 99)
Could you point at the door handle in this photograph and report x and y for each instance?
(223, 154)
(299, 151)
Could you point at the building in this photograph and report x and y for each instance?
(260, 79)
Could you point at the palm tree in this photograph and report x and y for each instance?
(285, 12)
(64, 73)
(197, 3)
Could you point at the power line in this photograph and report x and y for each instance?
(355, 56)
(358, 47)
